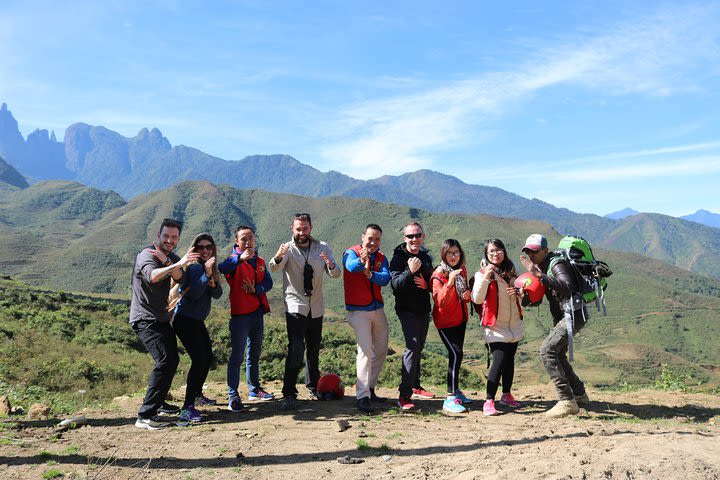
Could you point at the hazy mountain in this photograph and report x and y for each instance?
(10, 176)
(620, 214)
(706, 218)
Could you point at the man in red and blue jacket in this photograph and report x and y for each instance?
(249, 281)
(365, 272)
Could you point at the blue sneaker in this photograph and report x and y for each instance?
(461, 396)
(236, 405)
(203, 401)
(260, 394)
(189, 414)
(453, 404)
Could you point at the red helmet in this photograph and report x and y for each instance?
(532, 287)
(330, 387)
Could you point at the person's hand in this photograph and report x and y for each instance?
(327, 260)
(453, 275)
(248, 285)
(466, 296)
(490, 269)
(531, 267)
(190, 257)
(414, 264)
(512, 291)
(420, 282)
(157, 253)
(282, 250)
(247, 254)
(209, 264)
(364, 257)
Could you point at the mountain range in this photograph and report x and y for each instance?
(103, 159)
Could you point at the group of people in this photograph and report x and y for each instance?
(171, 298)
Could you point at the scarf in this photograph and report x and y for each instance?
(460, 285)
(490, 305)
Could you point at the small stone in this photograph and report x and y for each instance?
(342, 425)
(239, 455)
(386, 458)
(348, 460)
(38, 410)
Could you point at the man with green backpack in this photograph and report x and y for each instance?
(567, 307)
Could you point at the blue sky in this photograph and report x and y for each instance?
(592, 106)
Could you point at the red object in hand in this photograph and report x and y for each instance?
(532, 286)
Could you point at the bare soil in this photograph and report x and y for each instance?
(643, 434)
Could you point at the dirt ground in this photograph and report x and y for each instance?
(644, 434)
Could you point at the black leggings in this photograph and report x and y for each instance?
(195, 338)
(503, 365)
(453, 338)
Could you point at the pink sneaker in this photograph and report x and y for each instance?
(420, 392)
(489, 408)
(507, 399)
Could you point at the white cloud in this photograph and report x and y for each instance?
(652, 56)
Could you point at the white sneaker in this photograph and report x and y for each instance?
(563, 408)
(152, 423)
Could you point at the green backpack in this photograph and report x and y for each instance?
(590, 273)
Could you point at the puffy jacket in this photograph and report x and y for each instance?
(362, 292)
(448, 310)
(508, 326)
(559, 288)
(254, 269)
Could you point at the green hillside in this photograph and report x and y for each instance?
(657, 314)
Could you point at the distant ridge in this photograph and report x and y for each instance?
(620, 214)
(10, 176)
(706, 218)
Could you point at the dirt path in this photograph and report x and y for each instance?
(646, 434)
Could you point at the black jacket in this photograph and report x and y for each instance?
(559, 287)
(408, 297)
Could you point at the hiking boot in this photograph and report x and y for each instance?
(583, 400)
(376, 398)
(189, 414)
(289, 403)
(364, 405)
(508, 400)
(405, 403)
(260, 394)
(203, 401)
(169, 408)
(563, 408)
(453, 404)
(152, 423)
(420, 392)
(236, 405)
(461, 396)
(489, 408)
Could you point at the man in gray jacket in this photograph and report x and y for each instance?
(303, 261)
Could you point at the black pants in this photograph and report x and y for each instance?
(303, 332)
(415, 329)
(195, 338)
(159, 339)
(503, 366)
(454, 339)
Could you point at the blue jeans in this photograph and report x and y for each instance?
(245, 330)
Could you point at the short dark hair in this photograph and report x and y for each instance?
(415, 224)
(374, 226)
(171, 223)
(303, 217)
(447, 245)
(244, 227)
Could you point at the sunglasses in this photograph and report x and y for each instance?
(414, 235)
(199, 248)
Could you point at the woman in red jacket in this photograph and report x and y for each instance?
(450, 314)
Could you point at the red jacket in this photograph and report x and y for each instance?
(448, 310)
(242, 302)
(359, 290)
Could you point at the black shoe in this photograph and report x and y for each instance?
(375, 398)
(169, 408)
(364, 405)
(289, 403)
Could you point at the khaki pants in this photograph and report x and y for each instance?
(371, 333)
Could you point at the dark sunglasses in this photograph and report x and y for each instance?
(199, 248)
(414, 235)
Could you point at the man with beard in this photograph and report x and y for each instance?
(410, 271)
(303, 261)
(149, 318)
(366, 271)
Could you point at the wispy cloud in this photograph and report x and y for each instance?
(652, 56)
